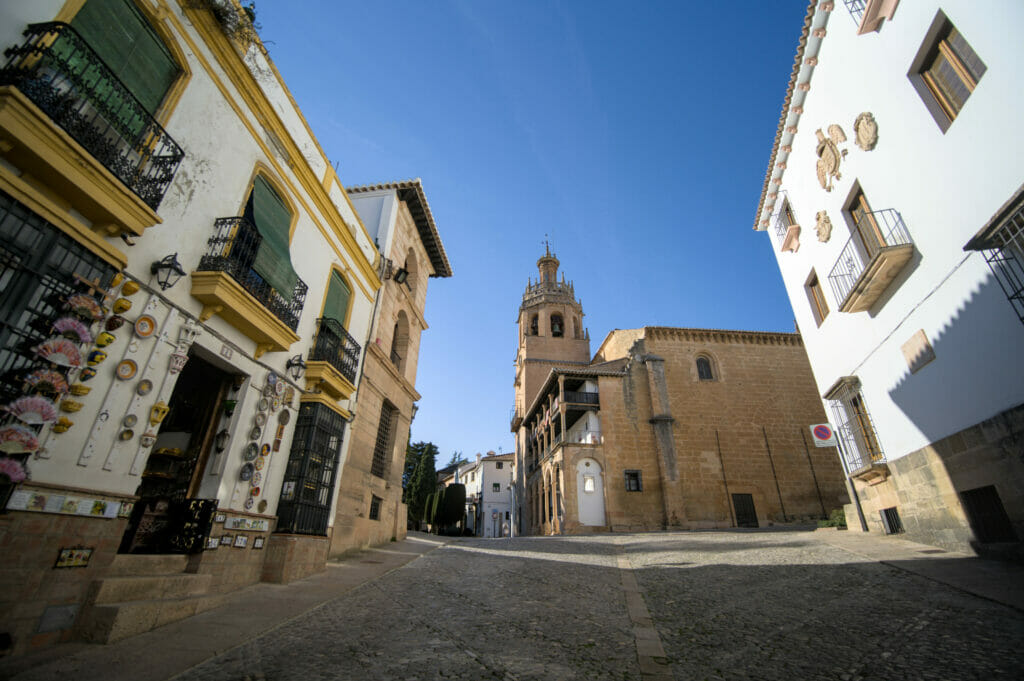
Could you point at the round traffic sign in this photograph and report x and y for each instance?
(822, 432)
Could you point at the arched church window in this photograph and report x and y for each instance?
(704, 372)
(533, 325)
(557, 326)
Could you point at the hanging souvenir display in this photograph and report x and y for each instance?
(245, 473)
(144, 387)
(33, 410)
(130, 288)
(59, 351)
(178, 359)
(104, 339)
(127, 369)
(255, 433)
(86, 374)
(13, 469)
(129, 421)
(229, 407)
(258, 463)
(261, 419)
(116, 279)
(157, 413)
(265, 450)
(70, 406)
(250, 451)
(249, 503)
(127, 434)
(263, 404)
(72, 329)
(17, 439)
(122, 305)
(147, 439)
(257, 478)
(62, 425)
(85, 307)
(145, 326)
(79, 390)
(46, 381)
(96, 357)
(114, 322)
(284, 417)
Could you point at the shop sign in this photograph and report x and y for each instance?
(247, 524)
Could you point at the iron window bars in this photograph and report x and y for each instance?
(308, 487)
(232, 249)
(334, 345)
(860, 250)
(381, 449)
(62, 75)
(1003, 249)
(854, 426)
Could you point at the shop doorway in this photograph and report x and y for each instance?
(168, 517)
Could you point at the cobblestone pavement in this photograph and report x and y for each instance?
(726, 605)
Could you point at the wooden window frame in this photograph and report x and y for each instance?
(937, 45)
(816, 297)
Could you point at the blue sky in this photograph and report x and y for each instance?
(635, 135)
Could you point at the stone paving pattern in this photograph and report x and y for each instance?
(727, 605)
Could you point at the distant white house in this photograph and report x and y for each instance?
(488, 494)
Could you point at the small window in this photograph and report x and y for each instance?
(816, 297)
(704, 372)
(634, 481)
(472, 477)
(375, 507)
(588, 484)
(557, 326)
(891, 520)
(533, 326)
(499, 465)
(496, 487)
(949, 70)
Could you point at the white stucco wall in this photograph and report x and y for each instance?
(945, 186)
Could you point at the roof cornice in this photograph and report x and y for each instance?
(792, 106)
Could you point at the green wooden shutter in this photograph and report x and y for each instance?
(338, 294)
(273, 261)
(126, 42)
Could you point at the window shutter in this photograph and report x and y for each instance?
(130, 47)
(336, 305)
(272, 220)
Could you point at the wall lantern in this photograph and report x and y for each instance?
(168, 271)
(296, 367)
(401, 275)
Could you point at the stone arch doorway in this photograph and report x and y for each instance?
(589, 493)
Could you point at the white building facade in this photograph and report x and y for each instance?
(892, 203)
(488, 483)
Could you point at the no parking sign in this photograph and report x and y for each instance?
(823, 435)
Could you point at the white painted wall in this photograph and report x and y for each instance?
(499, 502)
(589, 493)
(945, 186)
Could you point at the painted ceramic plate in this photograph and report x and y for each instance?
(127, 369)
(127, 434)
(259, 463)
(249, 503)
(257, 478)
(145, 326)
(265, 450)
(254, 434)
(254, 491)
(250, 451)
(263, 404)
(245, 473)
(275, 404)
(129, 421)
(279, 388)
(268, 391)
(145, 386)
(271, 378)
(261, 419)
(262, 505)
(284, 417)
(289, 393)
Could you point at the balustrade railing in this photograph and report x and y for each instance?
(336, 346)
(862, 248)
(232, 249)
(572, 397)
(62, 75)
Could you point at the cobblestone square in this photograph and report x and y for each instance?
(724, 605)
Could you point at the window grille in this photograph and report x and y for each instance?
(704, 371)
(375, 507)
(634, 481)
(891, 520)
(38, 266)
(381, 450)
(308, 488)
(854, 426)
(1003, 248)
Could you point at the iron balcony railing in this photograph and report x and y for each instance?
(58, 71)
(856, 9)
(572, 397)
(335, 346)
(233, 249)
(861, 249)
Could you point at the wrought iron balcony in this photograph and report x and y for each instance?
(233, 248)
(871, 260)
(572, 397)
(335, 346)
(58, 71)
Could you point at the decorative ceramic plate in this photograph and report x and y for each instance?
(284, 417)
(289, 393)
(129, 421)
(279, 388)
(33, 410)
(249, 503)
(144, 387)
(265, 450)
(268, 391)
(262, 505)
(127, 369)
(250, 451)
(145, 326)
(254, 491)
(263, 404)
(275, 404)
(255, 433)
(271, 378)
(257, 478)
(126, 434)
(261, 419)
(259, 463)
(245, 473)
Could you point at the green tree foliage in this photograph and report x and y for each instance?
(419, 480)
(457, 458)
(453, 505)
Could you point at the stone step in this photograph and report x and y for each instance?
(148, 587)
(106, 623)
(130, 564)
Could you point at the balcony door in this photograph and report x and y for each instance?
(870, 235)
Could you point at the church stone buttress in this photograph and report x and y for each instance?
(551, 334)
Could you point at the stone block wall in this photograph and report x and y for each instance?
(290, 557)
